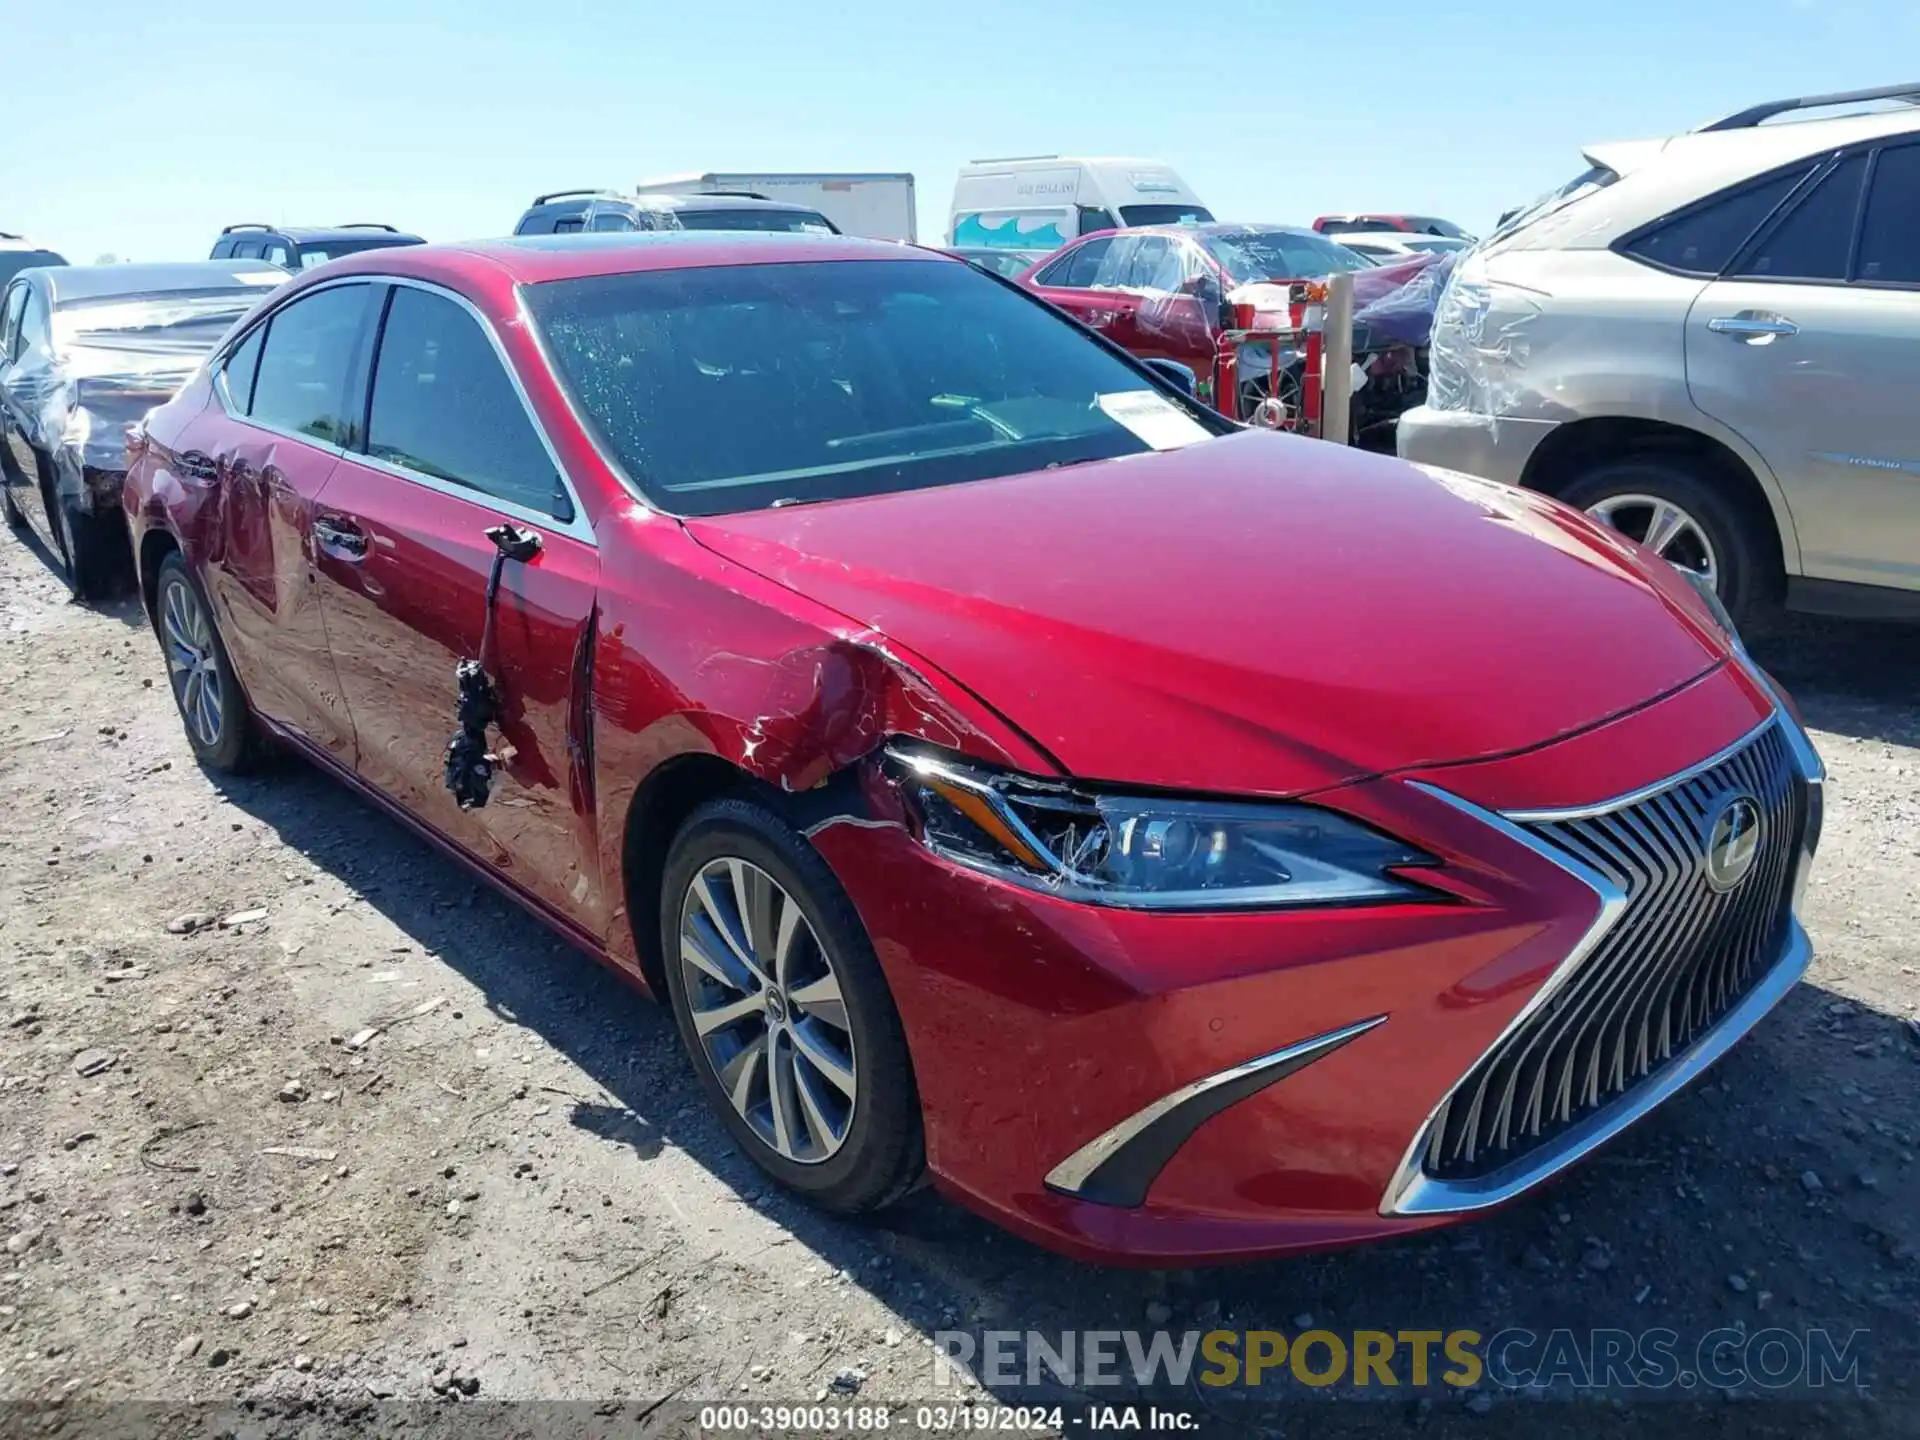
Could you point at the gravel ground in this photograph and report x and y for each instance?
(295, 1115)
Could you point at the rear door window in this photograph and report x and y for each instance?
(609, 220)
(1815, 239)
(444, 406)
(302, 380)
(1704, 240)
(1890, 235)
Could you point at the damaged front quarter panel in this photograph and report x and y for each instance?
(795, 697)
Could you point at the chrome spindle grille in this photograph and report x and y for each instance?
(1678, 957)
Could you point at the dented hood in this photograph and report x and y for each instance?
(1255, 613)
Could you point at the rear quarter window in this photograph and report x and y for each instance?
(1703, 239)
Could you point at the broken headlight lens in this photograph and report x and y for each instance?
(1147, 852)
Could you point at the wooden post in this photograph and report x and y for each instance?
(1336, 360)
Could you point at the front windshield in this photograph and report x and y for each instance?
(1249, 255)
(1137, 215)
(729, 388)
(786, 221)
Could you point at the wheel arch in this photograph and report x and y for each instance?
(1572, 449)
(659, 806)
(155, 545)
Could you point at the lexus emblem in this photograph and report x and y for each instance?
(1732, 842)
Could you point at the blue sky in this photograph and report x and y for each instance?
(139, 129)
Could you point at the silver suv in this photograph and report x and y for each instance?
(1711, 342)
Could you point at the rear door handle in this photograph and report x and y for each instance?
(340, 539)
(1753, 327)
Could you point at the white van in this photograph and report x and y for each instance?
(1038, 202)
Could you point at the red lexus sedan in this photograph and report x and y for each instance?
(1181, 842)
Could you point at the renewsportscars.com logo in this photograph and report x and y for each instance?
(1512, 1358)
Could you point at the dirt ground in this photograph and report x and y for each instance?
(216, 1185)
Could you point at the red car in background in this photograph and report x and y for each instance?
(1157, 292)
(1183, 842)
(1352, 224)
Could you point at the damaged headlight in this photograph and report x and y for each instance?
(1147, 852)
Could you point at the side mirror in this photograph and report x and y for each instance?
(1179, 376)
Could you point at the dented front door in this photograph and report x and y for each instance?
(404, 570)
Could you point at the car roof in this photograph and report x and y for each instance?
(535, 259)
(1657, 177)
(102, 282)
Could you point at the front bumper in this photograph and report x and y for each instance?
(1493, 448)
(1301, 1055)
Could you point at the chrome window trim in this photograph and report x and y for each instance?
(1412, 1191)
(578, 528)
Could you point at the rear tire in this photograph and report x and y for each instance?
(1618, 493)
(213, 710)
(846, 1153)
(93, 547)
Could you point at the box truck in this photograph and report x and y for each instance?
(877, 206)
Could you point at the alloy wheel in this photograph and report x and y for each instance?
(192, 663)
(1664, 528)
(766, 1003)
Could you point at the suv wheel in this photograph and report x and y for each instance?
(783, 1007)
(1677, 511)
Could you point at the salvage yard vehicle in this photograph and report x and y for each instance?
(85, 351)
(1344, 225)
(1340, 847)
(1710, 343)
(878, 206)
(1397, 245)
(566, 211)
(1011, 264)
(1157, 292)
(18, 253)
(301, 247)
(1039, 202)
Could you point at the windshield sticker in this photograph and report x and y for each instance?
(1153, 419)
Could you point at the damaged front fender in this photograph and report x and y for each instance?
(795, 695)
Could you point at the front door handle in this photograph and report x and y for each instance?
(1753, 327)
(340, 539)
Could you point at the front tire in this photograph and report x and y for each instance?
(212, 708)
(784, 1010)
